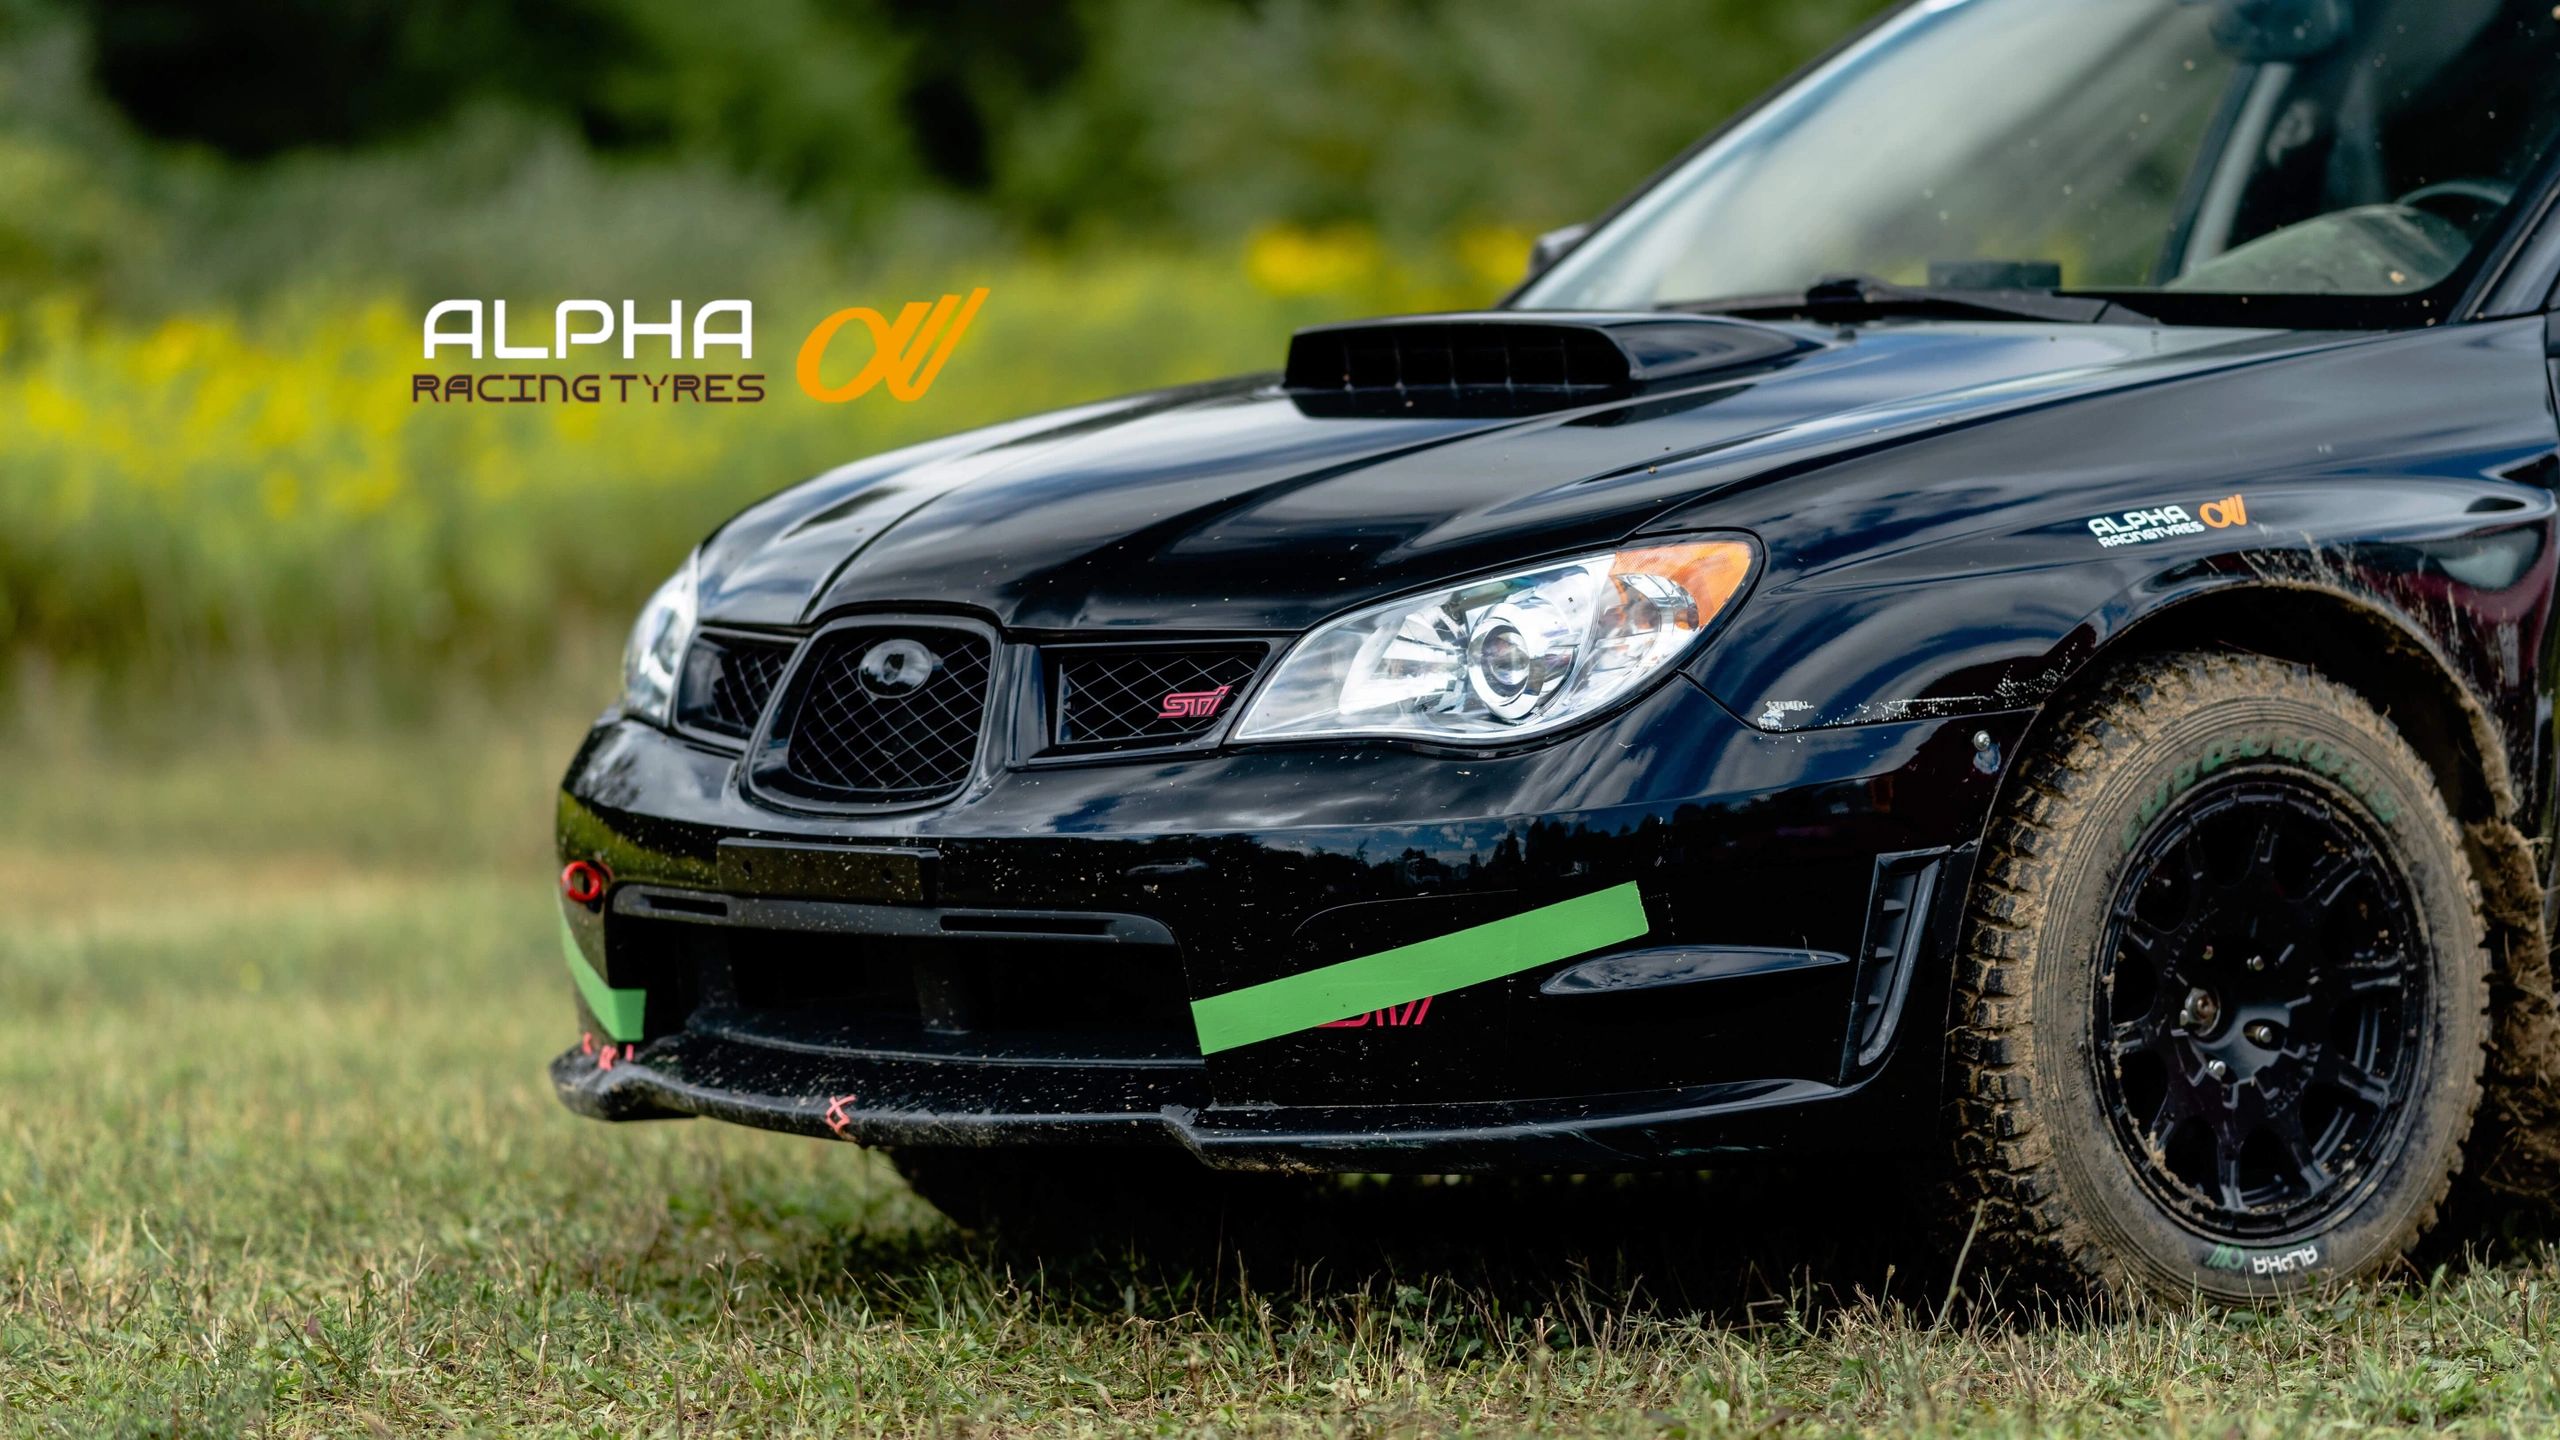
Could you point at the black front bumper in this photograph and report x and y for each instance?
(1018, 967)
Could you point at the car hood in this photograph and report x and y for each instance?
(1249, 506)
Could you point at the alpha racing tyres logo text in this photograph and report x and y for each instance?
(906, 354)
(2140, 527)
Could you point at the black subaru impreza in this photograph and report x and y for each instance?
(1996, 614)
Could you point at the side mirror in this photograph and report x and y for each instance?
(1547, 249)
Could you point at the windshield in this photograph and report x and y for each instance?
(2133, 147)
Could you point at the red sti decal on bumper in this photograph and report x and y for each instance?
(1393, 1015)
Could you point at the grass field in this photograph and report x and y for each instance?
(277, 1156)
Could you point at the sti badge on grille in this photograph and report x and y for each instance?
(1192, 704)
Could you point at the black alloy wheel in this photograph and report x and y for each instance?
(2257, 1035)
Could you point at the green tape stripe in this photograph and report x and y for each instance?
(618, 1011)
(1428, 967)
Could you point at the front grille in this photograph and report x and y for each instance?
(727, 680)
(1111, 699)
(883, 738)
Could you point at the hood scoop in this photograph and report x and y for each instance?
(1511, 363)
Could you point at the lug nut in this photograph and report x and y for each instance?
(2218, 1070)
(2262, 1033)
(2200, 1011)
(2257, 962)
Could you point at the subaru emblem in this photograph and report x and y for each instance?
(893, 669)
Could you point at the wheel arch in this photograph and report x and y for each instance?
(2353, 639)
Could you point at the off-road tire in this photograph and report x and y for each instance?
(2045, 1185)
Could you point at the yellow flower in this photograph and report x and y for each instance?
(1291, 260)
(577, 424)
(52, 410)
(1494, 256)
(284, 420)
(281, 493)
(364, 490)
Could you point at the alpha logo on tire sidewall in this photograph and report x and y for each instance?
(2264, 1264)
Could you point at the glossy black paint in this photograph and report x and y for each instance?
(1922, 494)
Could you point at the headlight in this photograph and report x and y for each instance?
(656, 651)
(1496, 660)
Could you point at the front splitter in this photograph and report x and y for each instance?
(899, 1101)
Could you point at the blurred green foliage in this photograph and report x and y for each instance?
(220, 227)
(165, 151)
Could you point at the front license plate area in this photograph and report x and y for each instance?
(873, 874)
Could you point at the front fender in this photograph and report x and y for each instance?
(1980, 568)
(2462, 571)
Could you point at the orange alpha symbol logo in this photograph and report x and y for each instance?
(2224, 512)
(907, 353)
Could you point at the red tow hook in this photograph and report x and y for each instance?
(583, 882)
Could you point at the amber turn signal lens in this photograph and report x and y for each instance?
(1711, 571)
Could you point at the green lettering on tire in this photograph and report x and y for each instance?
(2220, 752)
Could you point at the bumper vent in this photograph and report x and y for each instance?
(1897, 925)
(1127, 699)
(727, 681)
(887, 715)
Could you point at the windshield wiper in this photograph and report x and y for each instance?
(1863, 297)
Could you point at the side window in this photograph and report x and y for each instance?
(2438, 105)
(2378, 163)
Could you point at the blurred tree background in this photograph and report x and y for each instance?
(220, 226)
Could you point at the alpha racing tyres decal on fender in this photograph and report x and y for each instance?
(2141, 527)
